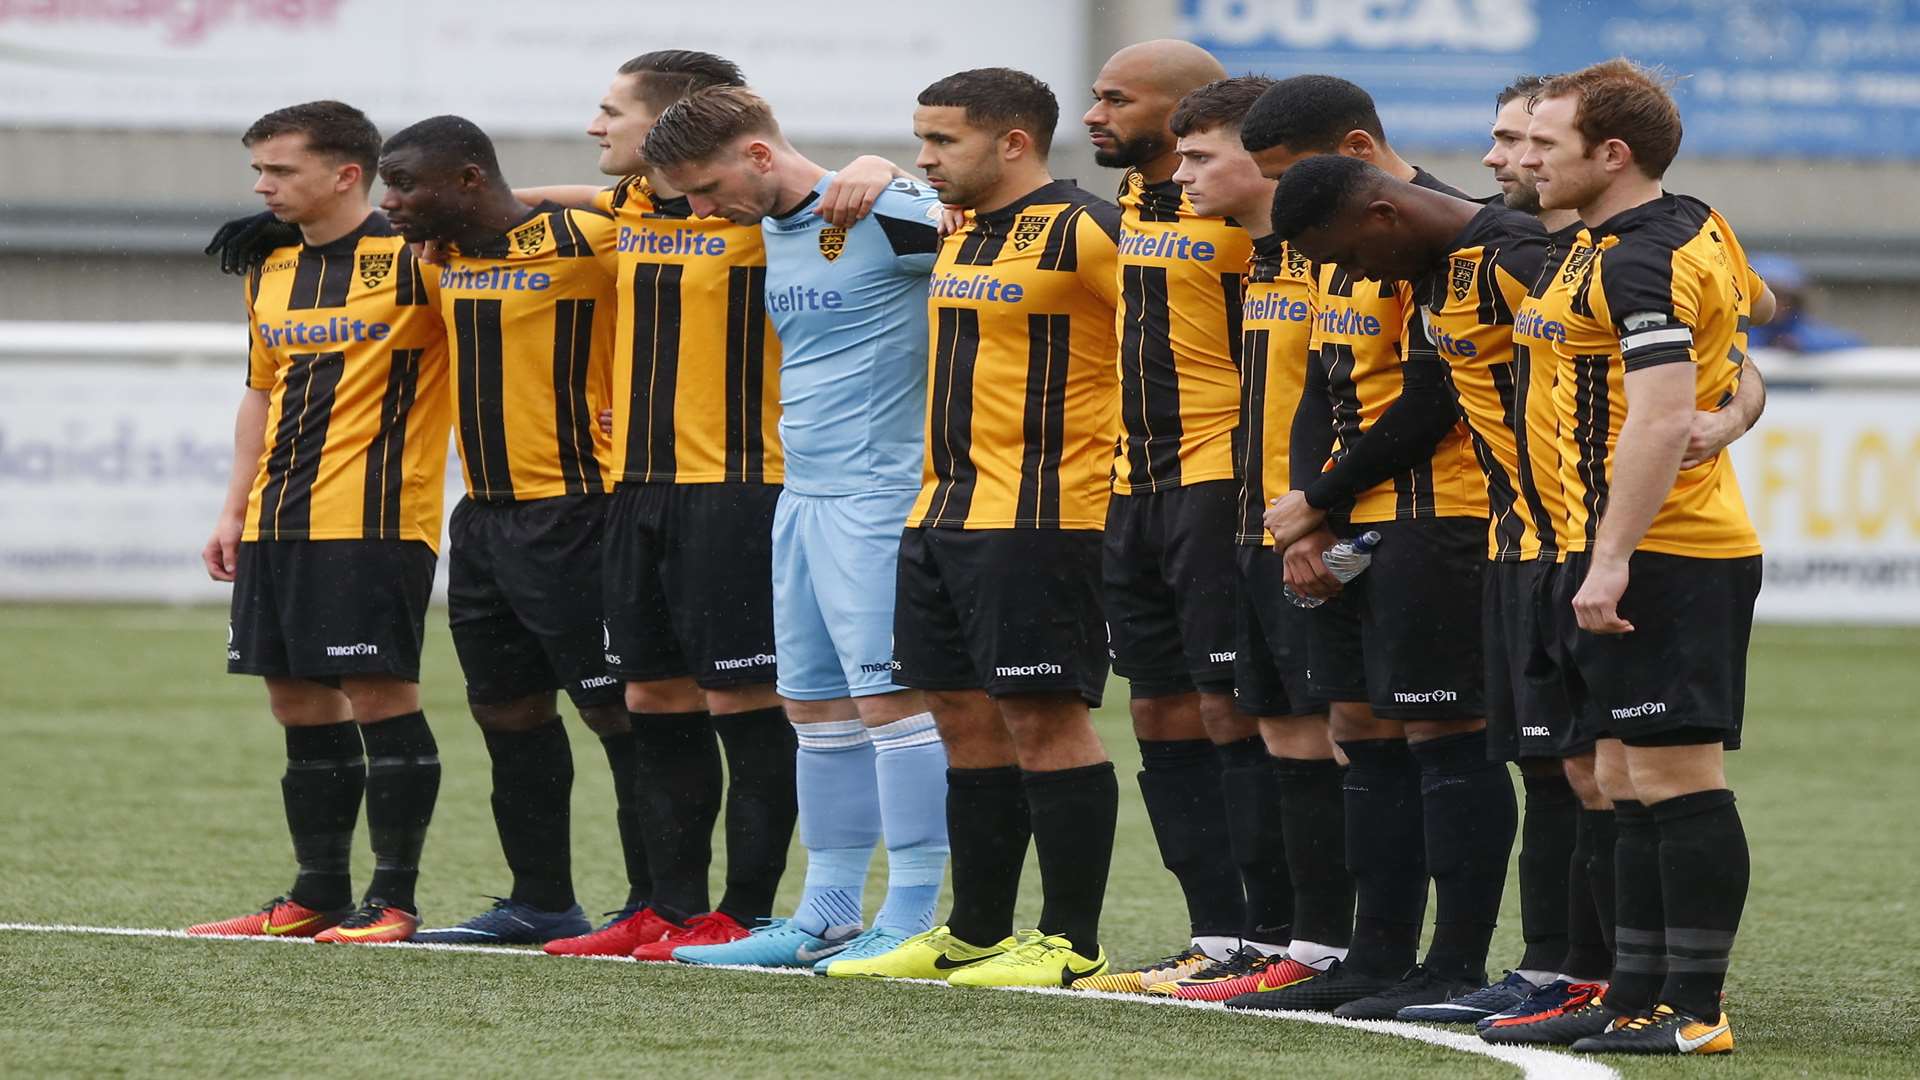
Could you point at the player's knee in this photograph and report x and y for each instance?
(1426, 730)
(1300, 738)
(737, 699)
(377, 699)
(665, 696)
(1166, 717)
(1354, 721)
(604, 720)
(304, 703)
(525, 714)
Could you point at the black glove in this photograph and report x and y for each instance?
(244, 243)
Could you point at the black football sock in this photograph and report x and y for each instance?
(1386, 852)
(532, 809)
(403, 782)
(1470, 819)
(1313, 813)
(1589, 956)
(1180, 783)
(1703, 882)
(1547, 837)
(1073, 814)
(988, 827)
(1602, 862)
(678, 764)
(326, 772)
(1640, 931)
(1251, 788)
(760, 809)
(622, 758)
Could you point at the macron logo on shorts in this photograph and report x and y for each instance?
(1650, 708)
(738, 662)
(879, 669)
(1533, 731)
(1005, 671)
(595, 682)
(1222, 657)
(358, 648)
(1423, 697)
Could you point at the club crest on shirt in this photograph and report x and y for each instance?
(1297, 264)
(1461, 278)
(374, 266)
(528, 238)
(1028, 228)
(833, 240)
(1577, 261)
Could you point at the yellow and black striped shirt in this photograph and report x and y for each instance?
(1021, 388)
(530, 315)
(1469, 304)
(696, 365)
(1276, 325)
(1664, 282)
(1179, 328)
(345, 339)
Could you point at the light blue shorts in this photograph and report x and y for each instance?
(833, 578)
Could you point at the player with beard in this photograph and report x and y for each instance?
(1168, 555)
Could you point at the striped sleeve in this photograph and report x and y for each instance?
(1653, 308)
(260, 364)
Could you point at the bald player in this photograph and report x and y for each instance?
(1167, 562)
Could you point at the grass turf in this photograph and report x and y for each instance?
(141, 791)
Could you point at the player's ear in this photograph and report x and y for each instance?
(349, 176)
(761, 155)
(1358, 144)
(1016, 144)
(1615, 155)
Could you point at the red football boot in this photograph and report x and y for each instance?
(713, 928)
(280, 917)
(626, 932)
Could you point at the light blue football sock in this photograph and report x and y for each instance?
(839, 821)
(911, 767)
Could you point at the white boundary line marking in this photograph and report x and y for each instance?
(1533, 1064)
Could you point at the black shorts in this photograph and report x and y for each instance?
(1682, 670)
(1169, 583)
(689, 583)
(1527, 712)
(1404, 636)
(523, 599)
(323, 609)
(1270, 649)
(1008, 611)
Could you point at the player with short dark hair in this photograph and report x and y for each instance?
(1654, 603)
(849, 305)
(527, 298)
(998, 616)
(339, 455)
(1396, 651)
(1167, 562)
(1283, 793)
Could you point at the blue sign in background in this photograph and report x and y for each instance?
(1765, 78)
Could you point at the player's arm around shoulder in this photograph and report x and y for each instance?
(601, 234)
(1096, 249)
(908, 213)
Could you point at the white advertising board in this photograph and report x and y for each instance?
(848, 70)
(112, 471)
(111, 476)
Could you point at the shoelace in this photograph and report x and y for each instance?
(371, 912)
(1031, 949)
(1177, 959)
(1242, 961)
(1660, 1015)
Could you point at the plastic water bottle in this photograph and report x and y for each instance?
(1345, 559)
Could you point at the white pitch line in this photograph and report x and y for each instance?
(1533, 1064)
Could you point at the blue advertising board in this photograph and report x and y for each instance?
(1761, 78)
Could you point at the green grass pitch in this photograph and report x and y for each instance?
(140, 789)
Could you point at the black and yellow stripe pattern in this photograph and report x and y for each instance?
(345, 340)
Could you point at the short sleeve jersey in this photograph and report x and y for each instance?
(850, 307)
(1276, 325)
(1665, 282)
(530, 316)
(1181, 273)
(345, 340)
(1021, 385)
(695, 360)
(1469, 303)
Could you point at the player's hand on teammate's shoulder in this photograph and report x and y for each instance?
(851, 193)
(1306, 572)
(244, 243)
(431, 252)
(951, 219)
